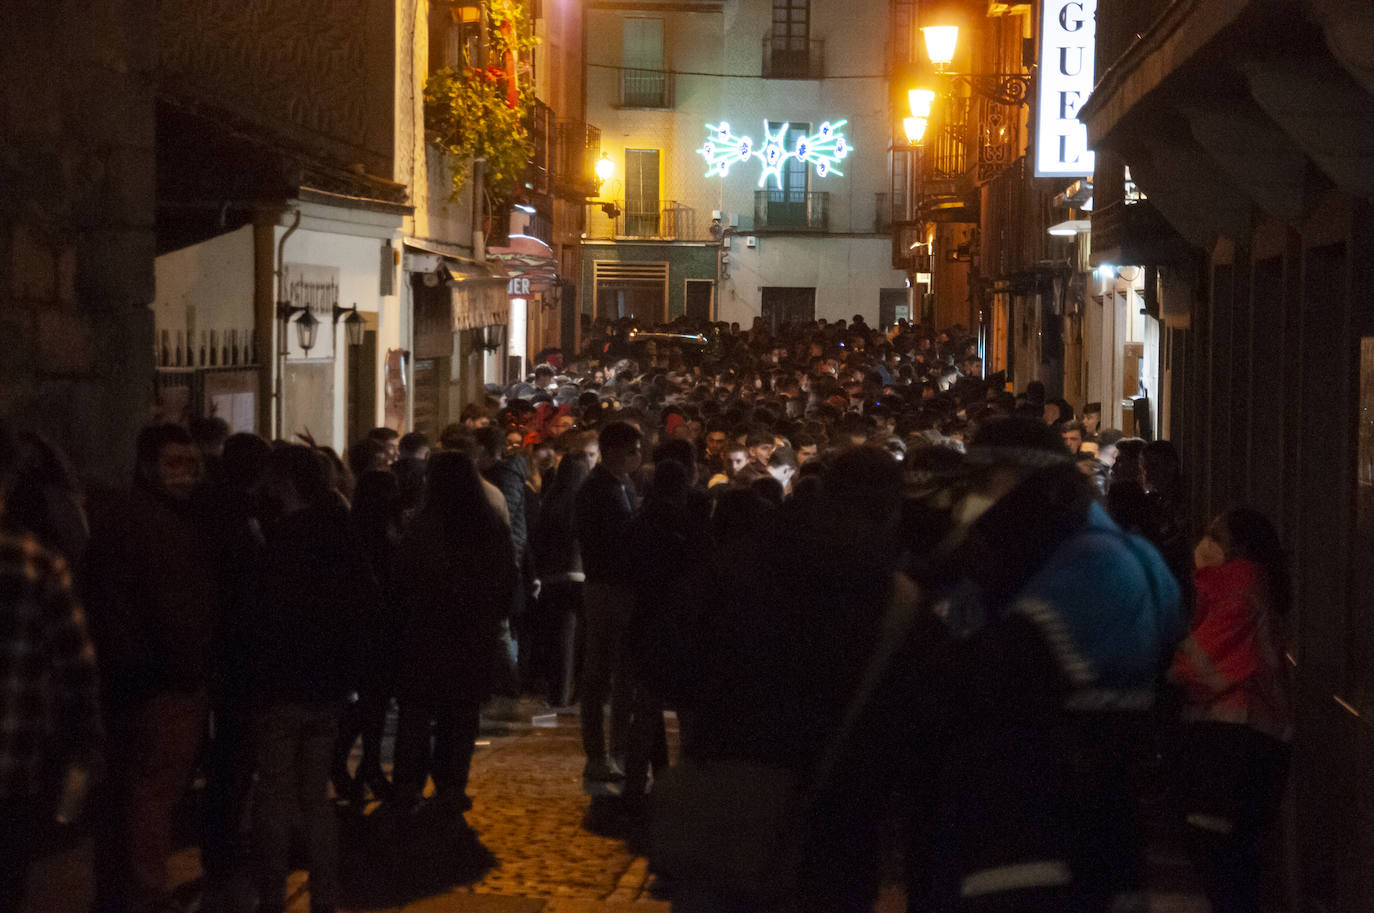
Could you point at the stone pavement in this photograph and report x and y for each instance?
(533, 847)
(527, 852)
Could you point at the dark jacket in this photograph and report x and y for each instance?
(554, 542)
(605, 506)
(455, 592)
(510, 476)
(150, 590)
(313, 608)
(410, 477)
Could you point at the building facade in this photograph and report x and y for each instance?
(1247, 127)
(77, 235)
(748, 144)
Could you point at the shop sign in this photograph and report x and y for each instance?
(519, 287)
(1067, 39)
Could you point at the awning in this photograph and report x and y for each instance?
(458, 294)
(478, 296)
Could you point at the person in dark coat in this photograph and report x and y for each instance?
(228, 510)
(375, 520)
(454, 576)
(602, 514)
(1063, 623)
(312, 609)
(672, 526)
(409, 470)
(558, 563)
(150, 589)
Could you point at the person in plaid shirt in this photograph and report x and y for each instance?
(49, 706)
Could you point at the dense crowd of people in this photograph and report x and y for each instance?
(879, 589)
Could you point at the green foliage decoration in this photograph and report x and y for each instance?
(468, 115)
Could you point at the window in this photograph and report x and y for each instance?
(789, 42)
(453, 43)
(630, 289)
(791, 24)
(643, 82)
(641, 193)
(787, 205)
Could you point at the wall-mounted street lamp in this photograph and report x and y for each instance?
(307, 325)
(354, 325)
(605, 170)
(919, 101)
(941, 41)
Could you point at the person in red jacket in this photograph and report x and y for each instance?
(1237, 708)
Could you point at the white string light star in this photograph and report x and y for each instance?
(823, 149)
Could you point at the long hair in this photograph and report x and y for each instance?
(307, 470)
(1253, 537)
(454, 499)
(376, 505)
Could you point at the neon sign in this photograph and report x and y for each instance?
(824, 149)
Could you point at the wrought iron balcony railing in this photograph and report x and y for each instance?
(786, 57)
(669, 221)
(541, 127)
(791, 210)
(643, 88)
(576, 150)
(887, 209)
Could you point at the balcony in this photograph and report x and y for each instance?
(540, 122)
(945, 190)
(887, 209)
(576, 149)
(787, 57)
(641, 88)
(669, 221)
(791, 210)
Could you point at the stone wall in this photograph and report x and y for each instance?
(318, 73)
(76, 225)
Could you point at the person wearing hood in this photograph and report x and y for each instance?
(1063, 627)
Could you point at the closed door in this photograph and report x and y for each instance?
(699, 300)
(783, 305)
(787, 204)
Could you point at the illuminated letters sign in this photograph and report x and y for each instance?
(824, 149)
(1066, 80)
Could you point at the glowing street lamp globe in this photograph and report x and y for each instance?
(605, 168)
(920, 101)
(941, 40)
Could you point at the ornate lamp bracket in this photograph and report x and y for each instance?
(1011, 89)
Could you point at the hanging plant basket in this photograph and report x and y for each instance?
(482, 113)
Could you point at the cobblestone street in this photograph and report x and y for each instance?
(538, 844)
(530, 850)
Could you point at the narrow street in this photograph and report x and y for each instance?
(539, 844)
(529, 851)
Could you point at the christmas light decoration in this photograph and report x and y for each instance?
(823, 149)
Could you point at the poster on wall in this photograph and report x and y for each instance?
(316, 288)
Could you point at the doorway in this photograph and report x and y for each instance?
(698, 294)
(783, 305)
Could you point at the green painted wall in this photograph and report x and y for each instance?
(684, 262)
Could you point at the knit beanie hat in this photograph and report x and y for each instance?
(1017, 441)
